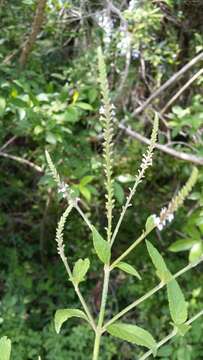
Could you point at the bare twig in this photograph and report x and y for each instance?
(8, 142)
(178, 154)
(22, 161)
(183, 88)
(168, 83)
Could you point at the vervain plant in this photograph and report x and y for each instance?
(103, 247)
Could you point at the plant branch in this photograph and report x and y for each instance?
(146, 162)
(183, 88)
(178, 154)
(60, 248)
(22, 161)
(150, 293)
(168, 83)
(130, 248)
(171, 335)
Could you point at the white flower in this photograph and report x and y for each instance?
(157, 221)
(170, 217)
(63, 189)
(102, 110)
(113, 113)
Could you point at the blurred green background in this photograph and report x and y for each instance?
(50, 100)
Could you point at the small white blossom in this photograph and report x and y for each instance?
(63, 189)
(170, 217)
(113, 108)
(101, 110)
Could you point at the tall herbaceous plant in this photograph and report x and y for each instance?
(103, 246)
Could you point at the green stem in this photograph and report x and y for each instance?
(131, 247)
(101, 313)
(171, 335)
(77, 207)
(150, 293)
(77, 290)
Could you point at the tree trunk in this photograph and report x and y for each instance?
(36, 27)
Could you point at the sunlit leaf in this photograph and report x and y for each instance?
(182, 245)
(196, 251)
(177, 303)
(5, 348)
(2, 106)
(133, 334)
(128, 269)
(80, 269)
(150, 224)
(63, 315)
(161, 269)
(101, 246)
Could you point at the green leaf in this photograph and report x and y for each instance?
(64, 314)
(2, 106)
(85, 192)
(161, 269)
(5, 348)
(80, 269)
(118, 192)
(102, 247)
(196, 252)
(133, 334)
(86, 180)
(50, 138)
(182, 245)
(128, 269)
(182, 329)
(84, 106)
(150, 224)
(177, 303)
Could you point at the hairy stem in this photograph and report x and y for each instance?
(131, 247)
(82, 214)
(149, 294)
(101, 313)
(171, 335)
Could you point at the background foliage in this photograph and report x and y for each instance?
(53, 102)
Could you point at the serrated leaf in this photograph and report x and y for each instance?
(161, 269)
(150, 224)
(63, 315)
(177, 303)
(196, 251)
(133, 334)
(128, 269)
(5, 348)
(102, 247)
(80, 269)
(182, 245)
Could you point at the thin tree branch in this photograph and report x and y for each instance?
(183, 88)
(168, 83)
(22, 161)
(178, 154)
(8, 142)
(36, 27)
